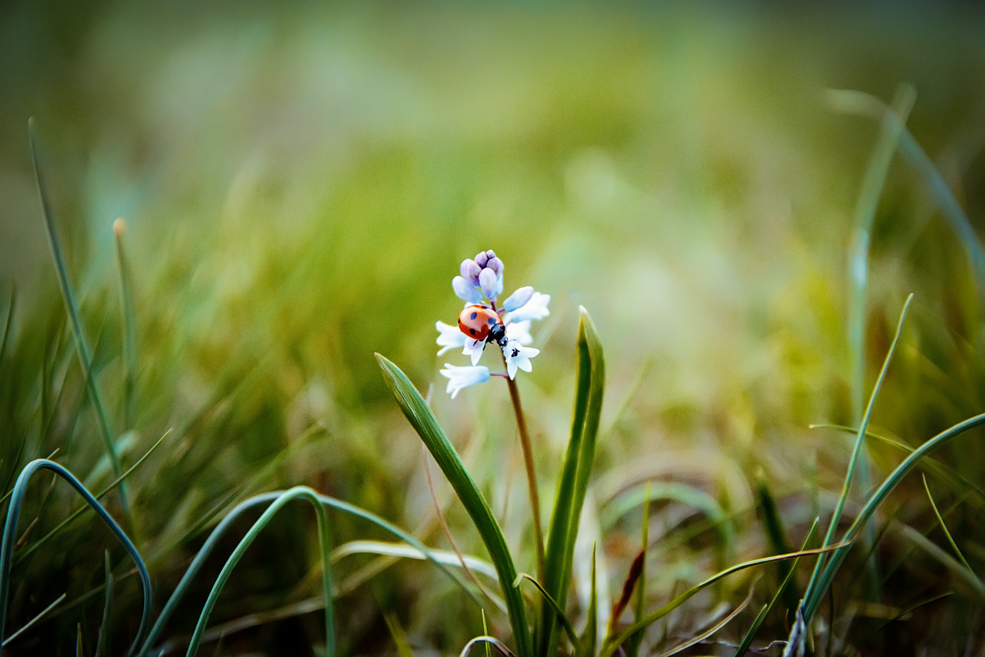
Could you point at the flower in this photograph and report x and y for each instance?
(518, 356)
(480, 282)
(463, 377)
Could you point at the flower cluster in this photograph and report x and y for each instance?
(480, 284)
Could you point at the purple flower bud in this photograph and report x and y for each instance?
(470, 271)
(496, 265)
(481, 259)
(487, 281)
(465, 290)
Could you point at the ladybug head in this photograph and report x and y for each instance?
(497, 334)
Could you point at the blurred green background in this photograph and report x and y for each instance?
(300, 183)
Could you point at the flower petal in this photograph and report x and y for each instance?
(470, 271)
(488, 283)
(450, 337)
(518, 299)
(463, 377)
(519, 331)
(536, 308)
(465, 290)
(473, 348)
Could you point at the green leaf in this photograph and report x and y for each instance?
(573, 483)
(590, 639)
(426, 425)
(102, 644)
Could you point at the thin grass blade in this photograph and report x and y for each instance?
(426, 425)
(102, 644)
(129, 323)
(589, 641)
(552, 604)
(10, 529)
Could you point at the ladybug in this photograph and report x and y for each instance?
(482, 323)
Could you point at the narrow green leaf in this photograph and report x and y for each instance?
(811, 605)
(82, 347)
(129, 322)
(611, 647)
(102, 644)
(950, 539)
(589, 642)
(398, 636)
(426, 425)
(489, 641)
(34, 621)
(812, 594)
(573, 483)
(10, 528)
(10, 315)
(765, 611)
(633, 645)
(562, 618)
(777, 537)
(714, 629)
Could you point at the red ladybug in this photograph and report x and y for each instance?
(481, 323)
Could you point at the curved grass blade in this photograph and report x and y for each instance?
(426, 425)
(82, 347)
(966, 575)
(10, 315)
(954, 546)
(266, 498)
(811, 604)
(405, 551)
(324, 542)
(714, 629)
(856, 455)
(10, 528)
(573, 482)
(562, 618)
(610, 648)
(857, 102)
(23, 554)
(489, 641)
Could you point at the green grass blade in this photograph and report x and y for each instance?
(950, 539)
(267, 498)
(254, 531)
(765, 611)
(777, 537)
(562, 618)
(7, 320)
(811, 604)
(963, 573)
(398, 636)
(610, 648)
(589, 642)
(856, 102)
(23, 554)
(82, 347)
(714, 629)
(573, 483)
(488, 641)
(10, 528)
(102, 644)
(129, 322)
(426, 425)
(34, 621)
(852, 464)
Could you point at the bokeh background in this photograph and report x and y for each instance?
(300, 183)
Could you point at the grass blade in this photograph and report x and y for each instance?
(713, 629)
(610, 648)
(954, 546)
(562, 618)
(777, 536)
(812, 584)
(82, 347)
(765, 611)
(573, 483)
(426, 425)
(10, 528)
(589, 641)
(324, 543)
(489, 641)
(633, 647)
(102, 644)
(34, 621)
(6, 321)
(129, 322)
(811, 605)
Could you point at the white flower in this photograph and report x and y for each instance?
(535, 308)
(518, 357)
(517, 300)
(473, 348)
(451, 337)
(463, 377)
(520, 331)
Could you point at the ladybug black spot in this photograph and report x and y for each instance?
(474, 315)
(472, 331)
(491, 321)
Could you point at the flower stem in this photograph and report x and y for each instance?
(528, 462)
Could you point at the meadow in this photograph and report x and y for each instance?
(228, 231)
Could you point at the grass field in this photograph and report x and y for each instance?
(741, 198)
